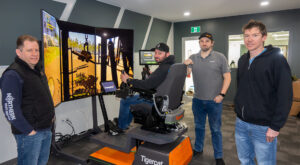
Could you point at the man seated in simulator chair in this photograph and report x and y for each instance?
(165, 60)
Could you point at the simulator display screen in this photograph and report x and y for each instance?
(147, 57)
(52, 55)
(78, 58)
(115, 53)
(81, 61)
(98, 64)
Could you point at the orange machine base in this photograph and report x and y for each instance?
(108, 155)
(177, 153)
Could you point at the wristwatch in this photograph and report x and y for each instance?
(222, 94)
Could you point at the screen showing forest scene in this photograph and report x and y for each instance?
(52, 56)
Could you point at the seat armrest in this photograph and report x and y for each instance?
(148, 91)
(144, 93)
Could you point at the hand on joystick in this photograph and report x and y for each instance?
(124, 76)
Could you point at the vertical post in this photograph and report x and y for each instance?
(104, 113)
(96, 129)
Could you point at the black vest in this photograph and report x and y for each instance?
(37, 104)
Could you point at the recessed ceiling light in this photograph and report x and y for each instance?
(264, 3)
(186, 13)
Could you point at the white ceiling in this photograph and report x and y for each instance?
(172, 10)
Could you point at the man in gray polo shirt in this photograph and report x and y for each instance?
(211, 76)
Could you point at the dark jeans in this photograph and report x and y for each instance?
(201, 109)
(125, 116)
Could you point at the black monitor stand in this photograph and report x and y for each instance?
(145, 72)
(109, 126)
(58, 151)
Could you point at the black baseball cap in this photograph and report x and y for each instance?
(207, 35)
(162, 47)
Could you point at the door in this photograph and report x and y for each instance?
(190, 46)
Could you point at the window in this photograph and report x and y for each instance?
(237, 48)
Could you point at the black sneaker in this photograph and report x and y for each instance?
(220, 161)
(113, 129)
(195, 153)
(116, 121)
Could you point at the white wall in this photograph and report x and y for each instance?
(8, 144)
(170, 41)
(79, 112)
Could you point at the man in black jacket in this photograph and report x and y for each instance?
(27, 103)
(165, 60)
(263, 99)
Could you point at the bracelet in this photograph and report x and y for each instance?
(222, 94)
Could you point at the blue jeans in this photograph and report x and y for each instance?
(35, 149)
(125, 116)
(251, 142)
(201, 108)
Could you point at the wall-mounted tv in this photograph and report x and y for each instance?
(147, 57)
(52, 55)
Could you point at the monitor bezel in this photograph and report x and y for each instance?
(140, 57)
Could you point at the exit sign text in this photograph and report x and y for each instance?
(195, 29)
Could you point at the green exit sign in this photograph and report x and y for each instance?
(195, 29)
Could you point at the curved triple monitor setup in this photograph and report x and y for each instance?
(79, 58)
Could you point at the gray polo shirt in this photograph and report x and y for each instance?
(208, 74)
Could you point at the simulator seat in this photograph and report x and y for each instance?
(166, 112)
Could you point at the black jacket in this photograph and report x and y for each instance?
(264, 94)
(157, 77)
(36, 101)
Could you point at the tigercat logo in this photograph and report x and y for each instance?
(151, 161)
(179, 117)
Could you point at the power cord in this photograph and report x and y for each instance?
(63, 140)
(67, 138)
